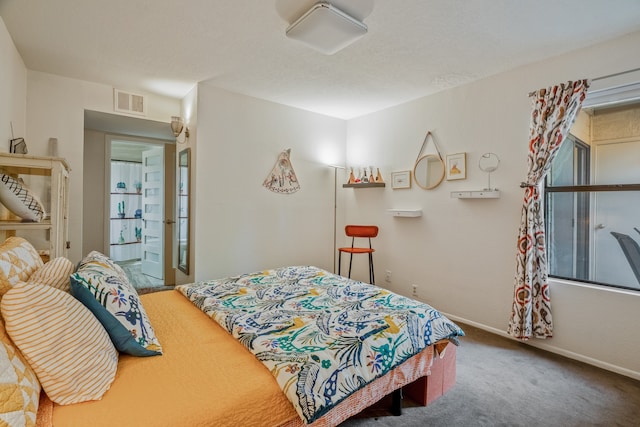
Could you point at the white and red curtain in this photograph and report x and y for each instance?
(554, 111)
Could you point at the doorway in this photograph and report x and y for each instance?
(102, 224)
(140, 204)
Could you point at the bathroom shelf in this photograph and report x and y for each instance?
(482, 194)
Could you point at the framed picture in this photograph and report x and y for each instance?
(456, 166)
(401, 179)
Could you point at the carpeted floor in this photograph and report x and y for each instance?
(501, 382)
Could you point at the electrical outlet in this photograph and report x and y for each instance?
(414, 292)
(387, 276)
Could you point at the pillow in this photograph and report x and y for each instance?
(101, 259)
(54, 273)
(65, 345)
(18, 260)
(115, 303)
(19, 387)
(18, 199)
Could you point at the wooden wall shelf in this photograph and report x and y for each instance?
(364, 185)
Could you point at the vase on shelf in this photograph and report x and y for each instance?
(352, 177)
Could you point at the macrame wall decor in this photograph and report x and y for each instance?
(282, 178)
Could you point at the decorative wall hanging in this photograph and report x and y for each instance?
(282, 178)
(456, 166)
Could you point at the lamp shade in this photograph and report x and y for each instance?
(176, 125)
(326, 29)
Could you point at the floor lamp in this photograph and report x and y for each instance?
(335, 210)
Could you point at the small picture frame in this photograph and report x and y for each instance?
(401, 179)
(456, 166)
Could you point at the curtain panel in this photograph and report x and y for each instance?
(554, 110)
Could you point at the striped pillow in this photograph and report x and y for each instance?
(54, 273)
(66, 346)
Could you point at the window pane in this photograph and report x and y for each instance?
(562, 167)
(568, 237)
(600, 247)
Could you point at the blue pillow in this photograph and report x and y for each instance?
(104, 289)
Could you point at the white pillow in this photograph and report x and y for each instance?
(19, 199)
(62, 341)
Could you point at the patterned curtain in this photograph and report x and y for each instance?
(554, 110)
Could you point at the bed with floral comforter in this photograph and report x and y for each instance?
(322, 336)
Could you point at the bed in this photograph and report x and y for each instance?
(212, 372)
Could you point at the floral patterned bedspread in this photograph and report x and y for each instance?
(321, 335)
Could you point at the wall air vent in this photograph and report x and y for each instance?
(130, 103)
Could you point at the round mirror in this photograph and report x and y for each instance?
(428, 171)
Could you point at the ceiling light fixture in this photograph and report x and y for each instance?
(326, 29)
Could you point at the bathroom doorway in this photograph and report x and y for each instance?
(140, 220)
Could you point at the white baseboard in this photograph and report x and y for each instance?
(553, 349)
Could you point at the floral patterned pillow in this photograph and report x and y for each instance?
(103, 287)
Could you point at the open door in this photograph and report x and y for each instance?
(153, 182)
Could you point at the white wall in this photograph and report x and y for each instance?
(55, 109)
(13, 90)
(461, 253)
(241, 226)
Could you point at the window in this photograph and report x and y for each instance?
(592, 200)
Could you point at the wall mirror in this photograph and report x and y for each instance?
(428, 172)
(183, 211)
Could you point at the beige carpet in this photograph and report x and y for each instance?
(501, 382)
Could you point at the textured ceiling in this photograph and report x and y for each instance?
(413, 47)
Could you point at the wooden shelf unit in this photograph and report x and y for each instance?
(51, 235)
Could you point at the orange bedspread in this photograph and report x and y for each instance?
(190, 384)
(206, 378)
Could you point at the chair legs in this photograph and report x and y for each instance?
(371, 274)
(350, 262)
(372, 279)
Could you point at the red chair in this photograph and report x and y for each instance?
(360, 231)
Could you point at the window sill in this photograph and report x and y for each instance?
(603, 288)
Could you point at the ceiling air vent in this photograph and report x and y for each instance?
(131, 103)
